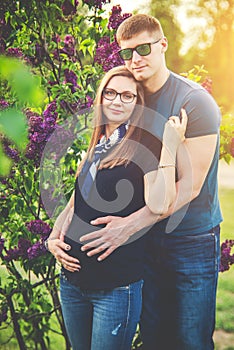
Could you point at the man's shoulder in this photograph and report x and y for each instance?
(185, 83)
(192, 92)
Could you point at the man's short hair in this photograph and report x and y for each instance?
(137, 24)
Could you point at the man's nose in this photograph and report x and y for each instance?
(135, 56)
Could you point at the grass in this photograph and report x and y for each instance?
(225, 296)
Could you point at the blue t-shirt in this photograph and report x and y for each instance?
(202, 213)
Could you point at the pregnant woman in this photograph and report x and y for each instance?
(125, 168)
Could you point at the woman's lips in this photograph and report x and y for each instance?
(116, 111)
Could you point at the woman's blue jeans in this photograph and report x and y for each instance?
(179, 293)
(101, 320)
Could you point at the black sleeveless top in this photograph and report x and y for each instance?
(118, 191)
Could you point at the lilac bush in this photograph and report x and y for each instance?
(64, 48)
(227, 259)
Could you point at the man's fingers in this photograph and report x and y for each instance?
(97, 250)
(92, 244)
(106, 253)
(101, 220)
(90, 236)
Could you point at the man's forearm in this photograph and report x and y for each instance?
(141, 219)
(144, 217)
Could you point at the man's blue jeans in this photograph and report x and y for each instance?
(101, 320)
(179, 293)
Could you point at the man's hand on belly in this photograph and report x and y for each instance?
(114, 234)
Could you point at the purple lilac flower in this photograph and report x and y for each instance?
(68, 8)
(4, 181)
(107, 54)
(227, 259)
(19, 251)
(69, 46)
(5, 28)
(12, 254)
(40, 130)
(23, 245)
(116, 18)
(50, 116)
(52, 83)
(38, 227)
(2, 22)
(2, 240)
(88, 103)
(39, 53)
(56, 38)
(2, 46)
(14, 52)
(56, 54)
(3, 104)
(96, 3)
(207, 84)
(59, 142)
(35, 123)
(32, 151)
(36, 250)
(10, 151)
(51, 111)
(71, 78)
(38, 137)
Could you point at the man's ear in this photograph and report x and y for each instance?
(164, 44)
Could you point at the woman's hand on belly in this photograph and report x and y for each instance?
(58, 248)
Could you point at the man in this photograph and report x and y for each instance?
(183, 257)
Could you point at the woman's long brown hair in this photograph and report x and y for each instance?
(122, 153)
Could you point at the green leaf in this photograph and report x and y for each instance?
(28, 184)
(13, 125)
(24, 84)
(5, 163)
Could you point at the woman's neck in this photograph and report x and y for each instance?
(110, 128)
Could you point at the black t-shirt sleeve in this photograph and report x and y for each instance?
(148, 152)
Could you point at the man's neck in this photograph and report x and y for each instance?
(155, 83)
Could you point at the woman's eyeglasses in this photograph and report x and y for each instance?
(142, 50)
(125, 97)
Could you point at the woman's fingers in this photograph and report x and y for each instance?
(175, 119)
(184, 118)
(179, 124)
(57, 247)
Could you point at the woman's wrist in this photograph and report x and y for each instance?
(166, 166)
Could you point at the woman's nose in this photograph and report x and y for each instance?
(117, 100)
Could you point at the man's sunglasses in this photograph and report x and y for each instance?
(142, 50)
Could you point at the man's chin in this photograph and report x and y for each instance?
(139, 76)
